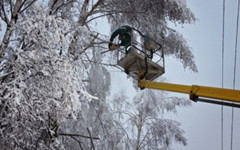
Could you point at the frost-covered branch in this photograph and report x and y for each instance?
(85, 14)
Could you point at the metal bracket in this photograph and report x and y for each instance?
(193, 93)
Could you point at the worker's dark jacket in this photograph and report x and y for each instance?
(125, 35)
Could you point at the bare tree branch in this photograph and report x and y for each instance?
(4, 15)
(110, 13)
(91, 138)
(90, 45)
(64, 4)
(83, 12)
(11, 6)
(27, 6)
(60, 6)
(84, 19)
(83, 136)
(51, 7)
(104, 64)
(79, 142)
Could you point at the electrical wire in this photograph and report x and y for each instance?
(236, 46)
(217, 102)
(234, 74)
(223, 27)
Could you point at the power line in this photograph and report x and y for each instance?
(223, 27)
(234, 74)
(236, 46)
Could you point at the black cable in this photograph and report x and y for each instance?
(146, 70)
(212, 101)
(223, 28)
(138, 31)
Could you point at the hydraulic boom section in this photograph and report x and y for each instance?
(194, 91)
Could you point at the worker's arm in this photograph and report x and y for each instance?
(115, 33)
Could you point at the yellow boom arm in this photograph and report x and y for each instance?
(194, 91)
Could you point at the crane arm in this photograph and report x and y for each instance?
(194, 91)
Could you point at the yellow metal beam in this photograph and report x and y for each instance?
(194, 91)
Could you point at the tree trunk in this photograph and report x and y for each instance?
(84, 14)
(139, 128)
(8, 33)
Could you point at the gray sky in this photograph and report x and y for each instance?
(202, 122)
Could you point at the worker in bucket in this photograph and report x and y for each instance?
(125, 36)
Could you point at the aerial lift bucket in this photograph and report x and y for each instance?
(133, 63)
(149, 43)
(150, 46)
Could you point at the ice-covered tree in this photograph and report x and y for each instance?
(153, 129)
(143, 125)
(41, 85)
(50, 61)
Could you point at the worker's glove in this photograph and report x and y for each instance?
(110, 45)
